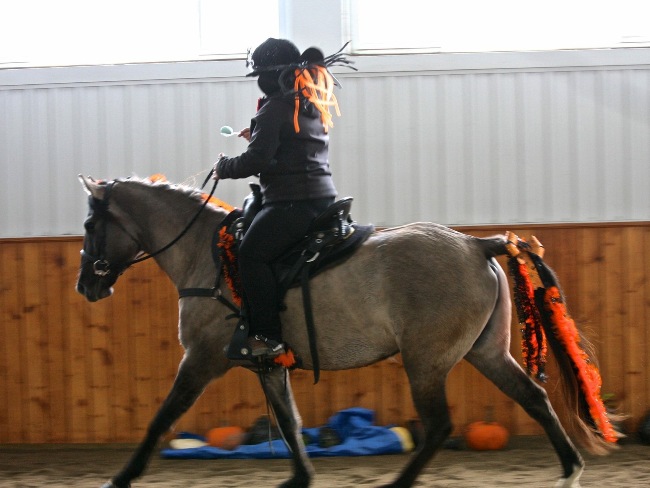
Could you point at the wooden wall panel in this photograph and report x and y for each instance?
(71, 371)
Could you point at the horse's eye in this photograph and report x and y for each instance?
(89, 226)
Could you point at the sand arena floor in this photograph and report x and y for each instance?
(528, 462)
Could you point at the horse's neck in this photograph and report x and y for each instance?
(160, 214)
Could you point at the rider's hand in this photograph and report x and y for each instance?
(215, 175)
(245, 133)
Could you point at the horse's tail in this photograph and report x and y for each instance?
(586, 418)
(578, 408)
(493, 246)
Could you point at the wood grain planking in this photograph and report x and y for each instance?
(5, 345)
(77, 366)
(644, 302)
(635, 338)
(54, 265)
(159, 301)
(101, 359)
(614, 314)
(589, 307)
(14, 421)
(141, 359)
(72, 306)
(122, 388)
(22, 345)
(33, 342)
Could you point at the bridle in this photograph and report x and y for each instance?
(101, 266)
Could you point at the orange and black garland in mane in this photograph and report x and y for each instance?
(540, 304)
(226, 245)
(161, 178)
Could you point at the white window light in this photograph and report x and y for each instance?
(76, 32)
(497, 25)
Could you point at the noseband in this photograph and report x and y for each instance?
(101, 266)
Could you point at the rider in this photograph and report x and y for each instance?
(288, 149)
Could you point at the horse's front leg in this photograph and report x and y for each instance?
(191, 380)
(277, 388)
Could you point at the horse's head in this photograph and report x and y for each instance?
(108, 248)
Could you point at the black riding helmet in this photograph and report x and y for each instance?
(283, 70)
(272, 53)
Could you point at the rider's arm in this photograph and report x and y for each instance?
(264, 142)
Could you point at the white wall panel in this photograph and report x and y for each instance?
(481, 146)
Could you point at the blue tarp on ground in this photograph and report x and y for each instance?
(354, 426)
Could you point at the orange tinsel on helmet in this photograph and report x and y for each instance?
(316, 85)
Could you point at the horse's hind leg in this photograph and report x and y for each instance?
(491, 356)
(431, 404)
(277, 388)
(508, 376)
(190, 382)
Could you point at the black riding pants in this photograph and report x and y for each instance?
(276, 228)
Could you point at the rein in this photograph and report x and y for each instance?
(184, 231)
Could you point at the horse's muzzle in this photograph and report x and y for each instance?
(93, 292)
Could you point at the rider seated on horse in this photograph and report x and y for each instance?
(288, 150)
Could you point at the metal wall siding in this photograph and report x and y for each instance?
(456, 148)
(547, 146)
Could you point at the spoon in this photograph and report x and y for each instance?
(228, 131)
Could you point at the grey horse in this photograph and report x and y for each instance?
(434, 295)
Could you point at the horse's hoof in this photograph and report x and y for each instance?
(563, 483)
(572, 481)
(296, 483)
(110, 484)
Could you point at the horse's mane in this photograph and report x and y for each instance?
(177, 190)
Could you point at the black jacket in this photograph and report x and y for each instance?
(290, 166)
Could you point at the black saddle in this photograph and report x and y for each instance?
(328, 239)
(331, 237)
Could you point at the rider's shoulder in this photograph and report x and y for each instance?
(275, 106)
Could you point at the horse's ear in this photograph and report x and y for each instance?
(92, 187)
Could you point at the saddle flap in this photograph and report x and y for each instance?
(252, 203)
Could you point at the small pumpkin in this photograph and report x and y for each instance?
(486, 435)
(226, 437)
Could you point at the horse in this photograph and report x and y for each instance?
(435, 295)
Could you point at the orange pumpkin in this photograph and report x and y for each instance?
(226, 437)
(486, 435)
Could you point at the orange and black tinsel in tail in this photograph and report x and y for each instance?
(534, 345)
